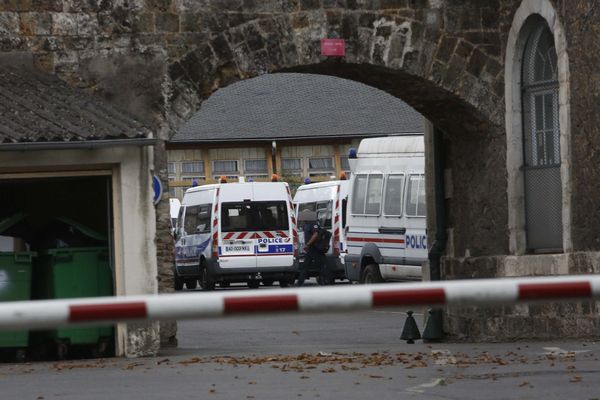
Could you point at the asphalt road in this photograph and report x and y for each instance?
(328, 356)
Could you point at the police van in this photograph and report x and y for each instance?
(327, 201)
(386, 223)
(236, 232)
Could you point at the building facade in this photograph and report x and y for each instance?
(299, 126)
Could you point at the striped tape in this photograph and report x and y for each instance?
(53, 313)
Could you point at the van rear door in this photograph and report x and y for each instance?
(236, 238)
(274, 236)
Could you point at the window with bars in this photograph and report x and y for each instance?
(291, 165)
(172, 168)
(255, 166)
(225, 166)
(344, 164)
(192, 167)
(320, 164)
(541, 141)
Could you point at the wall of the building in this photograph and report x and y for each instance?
(206, 154)
(133, 219)
(161, 59)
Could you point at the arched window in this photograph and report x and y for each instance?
(541, 142)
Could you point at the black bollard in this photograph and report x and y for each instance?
(410, 333)
(433, 328)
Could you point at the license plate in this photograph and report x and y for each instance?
(237, 248)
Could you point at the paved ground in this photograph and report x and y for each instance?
(329, 356)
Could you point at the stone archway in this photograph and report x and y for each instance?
(455, 84)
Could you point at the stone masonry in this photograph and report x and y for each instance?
(159, 59)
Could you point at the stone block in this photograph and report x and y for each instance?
(35, 23)
(9, 23)
(144, 23)
(167, 22)
(190, 22)
(64, 24)
(87, 24)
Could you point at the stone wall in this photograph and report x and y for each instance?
(159, 59)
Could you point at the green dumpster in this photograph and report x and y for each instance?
(15, 277)
(70, 272)
(15, 285)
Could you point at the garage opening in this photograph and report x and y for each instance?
(56, 241)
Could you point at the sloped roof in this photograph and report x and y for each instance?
(295, 106)
(36, 107)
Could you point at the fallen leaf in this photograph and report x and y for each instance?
(375, 376)
(252, 383)
(575, 379)
(296, 333)
(524, 384)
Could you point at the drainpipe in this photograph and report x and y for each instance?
(274, 156)
(433, 329)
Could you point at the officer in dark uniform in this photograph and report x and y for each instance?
(313, 258)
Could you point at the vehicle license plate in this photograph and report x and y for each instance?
(237, 248)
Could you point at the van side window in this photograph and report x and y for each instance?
(197, 219)
(359, 194)
(374, 193)
(180, 221)
(415, 196)
(203, 219)
(393, 195)
(326, 208)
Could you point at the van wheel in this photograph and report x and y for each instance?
(253, 284)
(224, 284)
(267, 282)
(177, 282)
(371, 274)
(191, 283)
(206, 283)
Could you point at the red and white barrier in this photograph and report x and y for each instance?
(53, 313)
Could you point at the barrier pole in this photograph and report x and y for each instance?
(473, 292)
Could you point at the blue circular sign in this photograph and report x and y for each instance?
(158, 189)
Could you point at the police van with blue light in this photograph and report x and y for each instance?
(386, 223)
(236, 232)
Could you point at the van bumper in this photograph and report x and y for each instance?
(219, 274)
(352, 267)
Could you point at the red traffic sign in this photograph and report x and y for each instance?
(333, 47)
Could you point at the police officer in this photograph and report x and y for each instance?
(313, 257)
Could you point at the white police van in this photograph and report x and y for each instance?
(236, 232)
(326, 200)
(386, 223)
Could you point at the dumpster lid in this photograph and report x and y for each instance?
(83, 229)
(9, 222)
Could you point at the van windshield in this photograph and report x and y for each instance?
(254, 216)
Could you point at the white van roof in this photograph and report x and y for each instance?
(390, 146)
(259, 191)
(320, 184)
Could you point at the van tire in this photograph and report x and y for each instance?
(177, 282)
(206, 282)
(191, 283)
(253, 284)
(267, 282)
(371, 274)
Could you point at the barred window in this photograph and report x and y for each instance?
(192, 167)
(255, 166)
(291, 164)
(541, 142)
(344, 164)
(320, 163)
(225, 166)
(172, 168)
